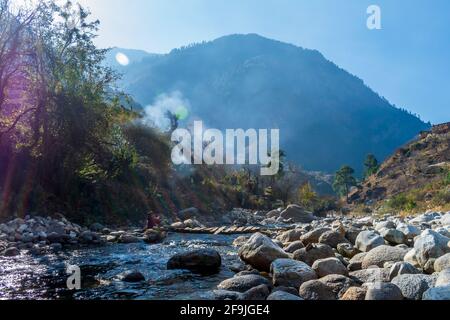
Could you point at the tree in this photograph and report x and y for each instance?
(344, 180)
(371, 166)
(307, 196)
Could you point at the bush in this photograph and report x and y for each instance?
(402, 202)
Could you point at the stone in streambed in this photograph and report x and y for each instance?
(202, 261)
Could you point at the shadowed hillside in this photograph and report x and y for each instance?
(327, 116)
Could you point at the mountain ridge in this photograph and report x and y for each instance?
(317, 105)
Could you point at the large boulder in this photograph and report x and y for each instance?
(282, 296)
(443, 279)
(243, 283)
(408, 230)
(347, 250)
(413, 286)
(290, 236)
(338, 284)
(355, 263)
(393, 236)
(313, 236)
(430, 244)
(442, 263)
(297, 214)
(355, 294)
(437, 294)
(371, 275)
(316, 290)
(294, 246)
(368, 240)
(445, 220)
(383, 291)
(400, 268)
(291, 273)
(202, 261)
(384, 225)
(154, 236)
(325, 267)
(259, 293)
(382, 254)
(260, 251)
(313, 252)
(333, 238)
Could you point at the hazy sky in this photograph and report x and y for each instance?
(408, 61)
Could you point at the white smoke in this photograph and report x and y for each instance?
(155, 115)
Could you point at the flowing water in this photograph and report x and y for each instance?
(44, 277)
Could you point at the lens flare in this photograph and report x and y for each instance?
(122, 59)
(181, 113)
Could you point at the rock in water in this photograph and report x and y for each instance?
(205, 261)
(368, 240)
(11, 252)
(154, 236)
(134, 276)
(291, 273)
(260, 251)
(297, 214)
(243, 283)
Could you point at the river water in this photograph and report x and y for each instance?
(44, 277)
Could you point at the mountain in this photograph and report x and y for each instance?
(326, 116)
(416, 176)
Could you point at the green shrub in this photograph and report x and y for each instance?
(402, 202)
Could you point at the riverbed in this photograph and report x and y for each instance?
(44, 277)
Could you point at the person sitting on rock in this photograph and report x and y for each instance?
(153, 220)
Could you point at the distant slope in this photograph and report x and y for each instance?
(417, 174)
(327, 116)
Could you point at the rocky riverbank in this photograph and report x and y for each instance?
(391, 258)
(39, 235)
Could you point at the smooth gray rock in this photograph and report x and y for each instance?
(368, 240)
(382, 254)
(393, 236)
(400, 268)
(313, 252)
(325, 267)
(291, 273)
(442, 263)
(430, 244)
(243, 283)
(282, 296)
(383, 291)
(260, 251)
(371, 275)
(437, 294)
(316, 290)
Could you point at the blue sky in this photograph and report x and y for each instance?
(408, 61)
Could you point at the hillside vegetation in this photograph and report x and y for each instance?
(415, 178)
